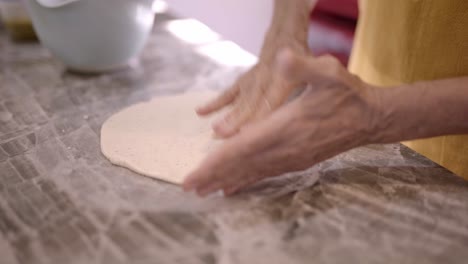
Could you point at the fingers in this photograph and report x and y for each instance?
(234, 188)
(230, 183)
(223, 168)
(233, 122)
(231, 168)
(230, 124)
(203, 177)
(221, 101)
(210, 173)
(244, 112)
(211, 188)
(253, 107)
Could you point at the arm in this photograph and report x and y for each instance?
(424, 109)
(289, 28)
(337, 112)
(260, 91)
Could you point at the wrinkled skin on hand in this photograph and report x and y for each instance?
(254, 96)
(262, 90)
(335, 113)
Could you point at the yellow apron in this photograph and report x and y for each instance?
(403, 41)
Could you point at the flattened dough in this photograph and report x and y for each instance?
(163, 138)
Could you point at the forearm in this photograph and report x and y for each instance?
(425, 109)
(289, 28)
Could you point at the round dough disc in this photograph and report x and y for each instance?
(163, 138)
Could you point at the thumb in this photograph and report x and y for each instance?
(302, 69)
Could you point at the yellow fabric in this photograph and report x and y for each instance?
(403, 41)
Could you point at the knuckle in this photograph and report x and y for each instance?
(332, 67)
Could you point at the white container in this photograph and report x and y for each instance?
(93, 36)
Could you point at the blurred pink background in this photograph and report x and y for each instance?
(332, 28)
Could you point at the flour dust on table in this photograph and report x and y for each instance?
(163, 138)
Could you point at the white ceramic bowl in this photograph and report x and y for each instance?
(93, 35)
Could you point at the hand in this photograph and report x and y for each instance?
(261, 90)
(254, 95)
(337, 112)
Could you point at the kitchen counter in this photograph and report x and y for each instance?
(61, 201)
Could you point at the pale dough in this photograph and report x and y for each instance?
(163, 138)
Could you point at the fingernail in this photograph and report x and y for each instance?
(209, 189)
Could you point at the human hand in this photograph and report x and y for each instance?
(261, 90)
(253, 96)
(337, 112)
